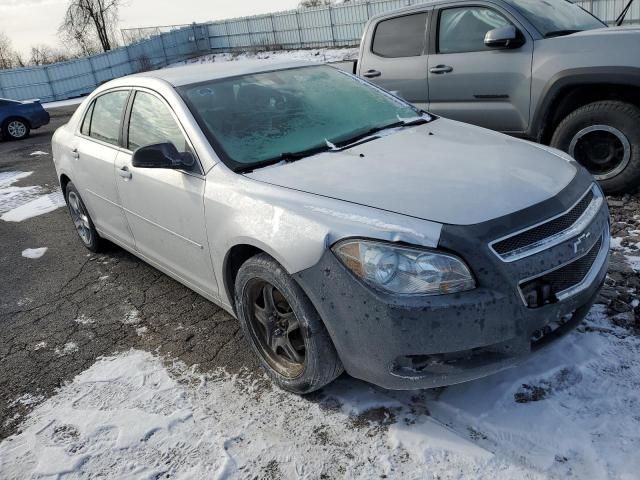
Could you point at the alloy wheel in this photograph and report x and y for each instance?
(80, 218)
(17, 129)
(602, 149)
(275, 329)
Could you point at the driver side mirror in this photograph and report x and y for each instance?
(162, 155)
(504, 37)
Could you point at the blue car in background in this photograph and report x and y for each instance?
(17, 119)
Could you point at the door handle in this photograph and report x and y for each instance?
(372, 73)
(125, 173)
(438, 69)
(75, 154)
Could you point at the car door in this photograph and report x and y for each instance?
(164, 207)
(396, 56)
(474, 83)
(95, 147)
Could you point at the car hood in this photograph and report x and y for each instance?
(443, 171)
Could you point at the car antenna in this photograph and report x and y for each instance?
(623, 14)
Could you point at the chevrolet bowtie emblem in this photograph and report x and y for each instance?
(578, 241)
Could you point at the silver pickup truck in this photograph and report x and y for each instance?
(547, 71)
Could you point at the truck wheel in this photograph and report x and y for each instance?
(604, 137)
(283, 327)
(15, 129)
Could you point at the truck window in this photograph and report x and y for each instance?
(401, 36)
(463, 29)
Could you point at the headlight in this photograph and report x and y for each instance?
(404, 270)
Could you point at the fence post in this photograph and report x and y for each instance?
(273, 30)
(2, 95)
(93, 70)
(226, 29)
(299, 29)
(164, 50)
(251, 43)
(49, 82)
(333, 32)
(368, 6)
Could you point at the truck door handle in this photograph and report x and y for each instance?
(124, 173)
(438, 69)
(372, 73)
(75, 154)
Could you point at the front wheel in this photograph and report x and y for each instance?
(283, 327)
(604, 137)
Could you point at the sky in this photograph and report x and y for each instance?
(29, 22)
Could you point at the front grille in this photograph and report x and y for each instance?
(546, 230)
(545, 288)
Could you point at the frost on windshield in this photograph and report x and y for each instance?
(259, 117)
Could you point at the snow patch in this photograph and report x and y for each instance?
(34, 252)
(40, 205)
(63, 103)
(67, 349)
(37, 153)
(322, 55)
(569, 410)
(633, 261)
(132, 317)
(84, 320)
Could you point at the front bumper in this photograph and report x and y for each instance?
(409, 342)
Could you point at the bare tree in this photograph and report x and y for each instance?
(9, 58)
(88, 22)
(45, 55)
(314, 3)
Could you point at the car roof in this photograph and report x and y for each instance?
(189, 74)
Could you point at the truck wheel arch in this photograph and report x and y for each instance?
(565, 92)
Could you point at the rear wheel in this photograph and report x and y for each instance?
(604, 137)
(283, 327)
(81, 219)
(15, 129)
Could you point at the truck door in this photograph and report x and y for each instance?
(394, 56)
(471, 82)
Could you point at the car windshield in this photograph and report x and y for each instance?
(556, 17)
(257, 119)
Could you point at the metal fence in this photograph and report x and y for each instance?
(330, 26)
(78, 77)
(340, 25)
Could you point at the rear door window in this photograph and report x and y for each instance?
(107, 115)
(401, 36)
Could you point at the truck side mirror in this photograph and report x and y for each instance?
(504, 37)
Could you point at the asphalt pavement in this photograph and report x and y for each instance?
(60, 312)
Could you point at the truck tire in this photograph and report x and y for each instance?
(283, 328)
(604, 137)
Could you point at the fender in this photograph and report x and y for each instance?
(623, 76)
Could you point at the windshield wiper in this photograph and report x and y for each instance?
(560, 33)
(330, 147)
(346, 143)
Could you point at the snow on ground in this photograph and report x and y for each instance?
(34, 252)
(312, 55)
(20, 203)
(63, 103)
(570, 410)
(38, 153)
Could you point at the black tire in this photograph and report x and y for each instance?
(321, 364)
(81, 220)
(15, 129)
(615, 160)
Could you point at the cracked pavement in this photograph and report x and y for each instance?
(62, 311)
